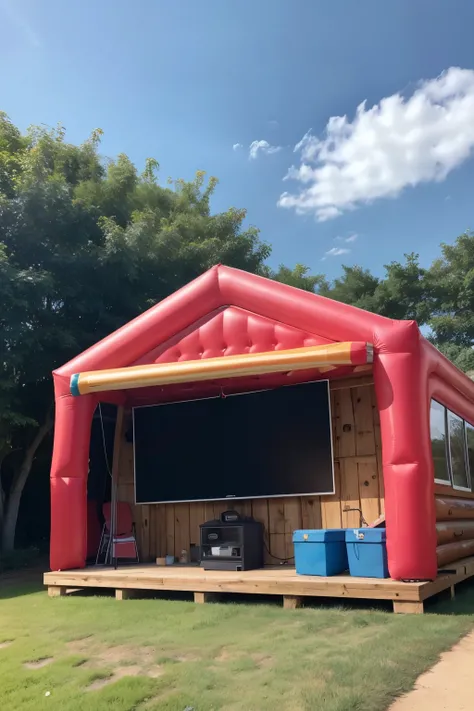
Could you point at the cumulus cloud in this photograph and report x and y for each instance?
(337, 251)
(257, 147)
(400, 142)
(347, 238)
(237, 146)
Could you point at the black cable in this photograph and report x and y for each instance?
(275, 557)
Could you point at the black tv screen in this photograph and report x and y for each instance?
(261, 444)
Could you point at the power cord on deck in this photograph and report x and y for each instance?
(283, 561)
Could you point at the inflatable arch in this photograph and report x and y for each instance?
(230, 326)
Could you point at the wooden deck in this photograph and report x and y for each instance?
(127, 581)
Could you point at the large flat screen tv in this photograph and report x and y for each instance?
(260, 444)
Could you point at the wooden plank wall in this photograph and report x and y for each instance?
(169, 528)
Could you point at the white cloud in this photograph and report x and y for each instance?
(397, 143)
(337, 251)
(237, 146)
(263, 147)
(349, 238)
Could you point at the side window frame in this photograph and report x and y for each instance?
(456, 487)
(447, 451)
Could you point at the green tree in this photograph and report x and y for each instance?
(402, 294)
(299, 277)
(450, 287)
(84, 247)
(356, 286)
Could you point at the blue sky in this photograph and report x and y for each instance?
(186, 81)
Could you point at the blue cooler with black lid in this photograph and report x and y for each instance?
(367, 552)
(320, 552)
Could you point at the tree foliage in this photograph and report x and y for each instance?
(84, 247)
(87, 244)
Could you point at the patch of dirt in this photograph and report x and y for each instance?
(151, 701)
(38, 663)
(187, 658)
(6, 643)
(99, 683)
(123, 653)
(125, 660)
(121, 672)
(227, 655)
(155, 672)
(79, 646)
(448, 685)
(264, 661)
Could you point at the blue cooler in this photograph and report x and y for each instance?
(367, 552)
(320, 552)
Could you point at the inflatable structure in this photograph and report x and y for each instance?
(235, 330)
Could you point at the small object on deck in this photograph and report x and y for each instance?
(320, 552)
(169, 560)
(231, 545)
(161, 561)
(183, 558)
(367, 552)
(291, 602)
(195, 554)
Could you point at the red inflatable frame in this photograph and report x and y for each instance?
(227, 311)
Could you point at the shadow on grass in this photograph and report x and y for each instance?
(25, 581)
(8, 591)
(463, 604)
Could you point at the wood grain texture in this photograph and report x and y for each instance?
(291, 602)
(124, 594)
(275, 580)
(170, 528)
(408, 608)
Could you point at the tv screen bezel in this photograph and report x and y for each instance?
(238, 498)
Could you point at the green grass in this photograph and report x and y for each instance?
(98, 654)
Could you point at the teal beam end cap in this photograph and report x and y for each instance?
(74, 384)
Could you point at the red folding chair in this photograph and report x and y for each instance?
(124, 542)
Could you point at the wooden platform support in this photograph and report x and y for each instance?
(124, 594)
(292, 602)
(207, 586)
(202, 597)
(406, 607)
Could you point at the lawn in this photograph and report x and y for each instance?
(78, 653)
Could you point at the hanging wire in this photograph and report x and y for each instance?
(113, 489)
(104, 441)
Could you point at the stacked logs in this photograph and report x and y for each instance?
(454, 529)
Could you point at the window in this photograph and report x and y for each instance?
(438, 442)
(470, 448)
(457, 442)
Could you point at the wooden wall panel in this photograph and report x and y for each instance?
(170, 528)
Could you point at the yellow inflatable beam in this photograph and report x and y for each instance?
(322, 358)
